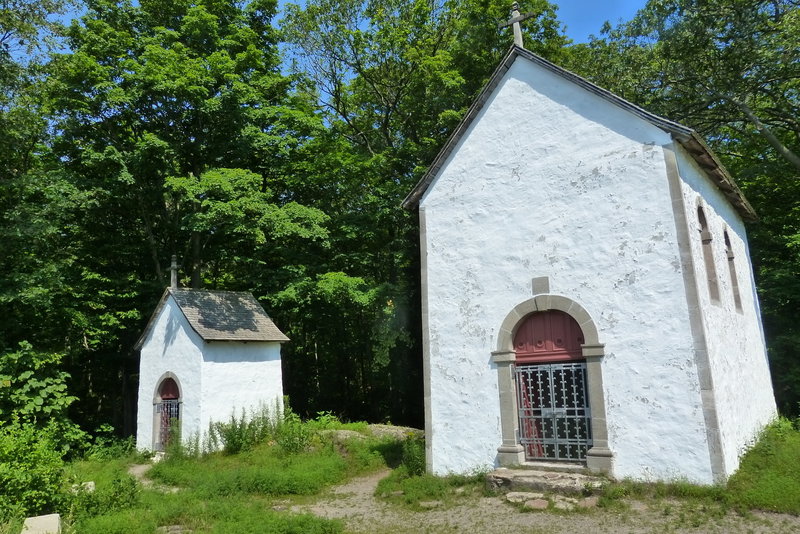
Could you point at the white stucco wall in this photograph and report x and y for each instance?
(172, 346)
(737, 356)
(240, 376)
(553, 181)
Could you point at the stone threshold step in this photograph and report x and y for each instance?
(504, 480)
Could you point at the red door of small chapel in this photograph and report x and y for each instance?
(552, 394)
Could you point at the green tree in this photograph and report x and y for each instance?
(170, 121)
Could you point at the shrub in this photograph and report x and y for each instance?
(123, 493)
(107, 446)
(242, 434)
(293, 436)
(31, 469)
(414, 456)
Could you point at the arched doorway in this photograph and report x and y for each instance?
(599, 457)
(167, 413)
(551, 384)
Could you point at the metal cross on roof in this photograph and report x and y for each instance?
(514, 21)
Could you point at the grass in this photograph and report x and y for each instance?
(768, 479)
(225, 492)
(251, 491)
(422, 492)
(769, 475)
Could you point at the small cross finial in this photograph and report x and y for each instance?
(514, 21)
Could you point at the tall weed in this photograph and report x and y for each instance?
(243, 433)
(121, 494)
(293, 436)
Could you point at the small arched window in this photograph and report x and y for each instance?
(708, 255)
(737, 299)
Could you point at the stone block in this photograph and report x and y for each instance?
(42, 524)
(522, 496)
(537, 504)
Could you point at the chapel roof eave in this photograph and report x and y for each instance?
(686, 136)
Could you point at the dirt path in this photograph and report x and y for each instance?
(355, 504)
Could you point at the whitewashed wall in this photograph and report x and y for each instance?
(737, 355)
(553, 181)
(240, 376)
(172, 346)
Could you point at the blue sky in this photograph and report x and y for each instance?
(584, 17)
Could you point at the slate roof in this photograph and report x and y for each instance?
(220, 316)
(684, 135)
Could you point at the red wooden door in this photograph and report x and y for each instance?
(168, 411)
(548, 337)
(554, 416)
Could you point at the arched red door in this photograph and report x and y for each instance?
(552, 395)
(168, 405)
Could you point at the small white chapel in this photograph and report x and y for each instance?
(587, 290)
(204, 355)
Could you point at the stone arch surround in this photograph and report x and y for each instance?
(157, 398)
(168, 374)
(599, 458)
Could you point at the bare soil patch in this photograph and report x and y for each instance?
(356, 505)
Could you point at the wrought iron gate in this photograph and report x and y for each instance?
(168, 413)
(554, 416)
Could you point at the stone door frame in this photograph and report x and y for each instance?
(157, 399)
(599, 458)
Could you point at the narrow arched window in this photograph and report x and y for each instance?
(737, 299)
(708, 255)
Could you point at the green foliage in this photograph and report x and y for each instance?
(121, 494)
(769, 475)
(414, 456)
(293, 436)
(221, 515)
(264, 470)
(767, 479)
(107, 446)
(410, 490)
(32, 385)
(409, 484)
(244, 433)
(30, 469)
(33, 390)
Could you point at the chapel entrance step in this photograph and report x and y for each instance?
(530, 479)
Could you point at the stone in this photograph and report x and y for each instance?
(42, 524)
(589, 502)
(536, 480)
(564, 503)
(522, 496)
(88, 487)
(537, 504)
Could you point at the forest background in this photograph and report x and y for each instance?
(272, 156)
